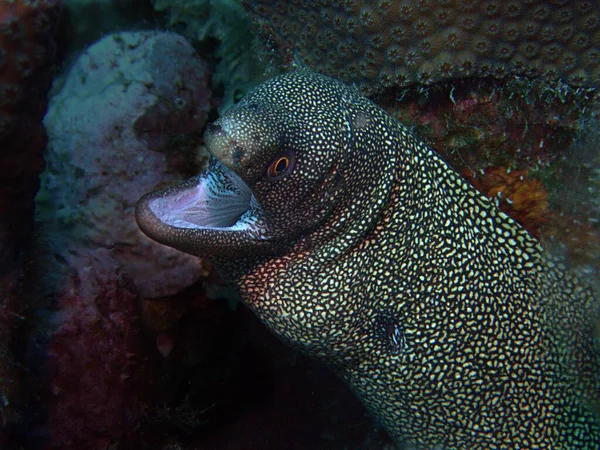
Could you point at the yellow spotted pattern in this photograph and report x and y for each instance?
(441, 313)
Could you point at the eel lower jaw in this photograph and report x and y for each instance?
(214, 213)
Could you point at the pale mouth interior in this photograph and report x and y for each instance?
(220, 201)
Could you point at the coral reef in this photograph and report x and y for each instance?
(97, 370)
(382, 43)
(27, 51)
(135, 352)
(118, 127)
(482, 123)
(126, 118)
(238, 65)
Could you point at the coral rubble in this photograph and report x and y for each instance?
(382, 43)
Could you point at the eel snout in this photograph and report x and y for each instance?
(201, 215)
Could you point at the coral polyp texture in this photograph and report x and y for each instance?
(379, 44)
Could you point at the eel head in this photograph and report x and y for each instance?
(275, 174)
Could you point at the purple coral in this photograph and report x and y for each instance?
(96, 366)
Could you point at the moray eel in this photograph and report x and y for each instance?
(356, 243)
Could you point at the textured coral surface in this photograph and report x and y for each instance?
(116, 125)
(116, 131)
(383, 43)
(97, 367)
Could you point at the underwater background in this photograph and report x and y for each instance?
(111, 341)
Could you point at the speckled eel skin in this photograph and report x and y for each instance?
(355, 242)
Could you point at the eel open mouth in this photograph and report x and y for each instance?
(221, 200)
(205, 214)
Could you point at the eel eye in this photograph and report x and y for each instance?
(280, 166)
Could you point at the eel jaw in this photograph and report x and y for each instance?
(214, 213)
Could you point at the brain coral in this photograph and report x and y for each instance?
(383, 43)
